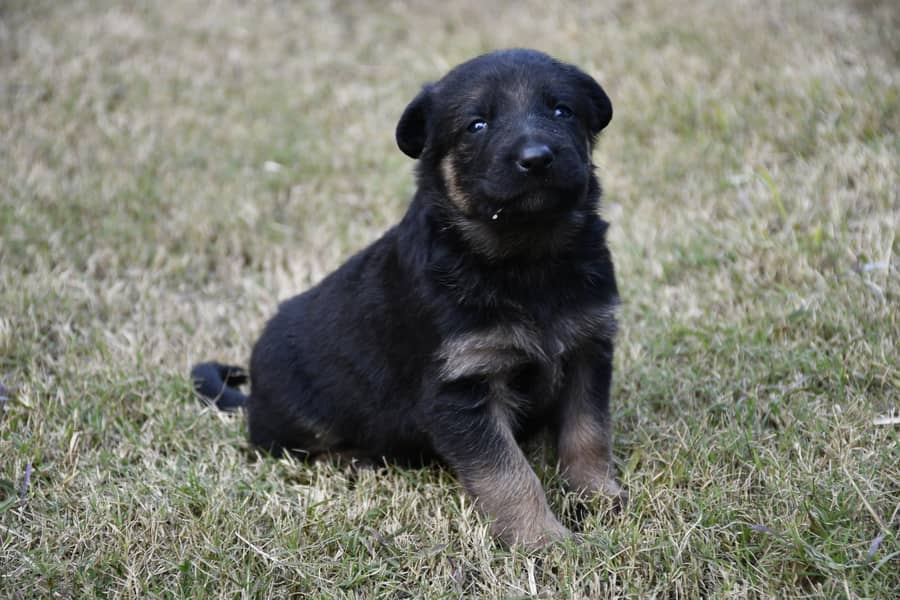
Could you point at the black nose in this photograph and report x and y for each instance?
(534, 157)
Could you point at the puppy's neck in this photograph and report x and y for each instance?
(468, 264)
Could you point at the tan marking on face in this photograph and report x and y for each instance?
(488, 352)
(451, 182)
(506, 489)
(585, 440)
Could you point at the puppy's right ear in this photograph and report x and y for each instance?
(412, 130)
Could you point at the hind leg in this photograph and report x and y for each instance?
(280, 426)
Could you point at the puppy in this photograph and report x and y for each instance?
(486, 316)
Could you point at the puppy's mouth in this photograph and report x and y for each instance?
(532, 206)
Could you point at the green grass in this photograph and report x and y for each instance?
(751, 173)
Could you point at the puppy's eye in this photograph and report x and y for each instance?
(477, 125)
(562, 111)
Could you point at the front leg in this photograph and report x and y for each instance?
(470, 430)
(584, 439)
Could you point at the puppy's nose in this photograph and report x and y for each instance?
(534, 158)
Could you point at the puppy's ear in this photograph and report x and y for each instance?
(412, 129)
(602, 110)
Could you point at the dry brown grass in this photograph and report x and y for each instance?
(170, 171)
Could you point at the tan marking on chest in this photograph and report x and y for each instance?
(507, 346)
(489, 351)
(597, 322)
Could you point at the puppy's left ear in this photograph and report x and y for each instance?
(602, 110)
(412, 129)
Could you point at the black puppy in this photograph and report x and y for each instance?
(485, 316)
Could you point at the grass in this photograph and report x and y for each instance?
(170, 172)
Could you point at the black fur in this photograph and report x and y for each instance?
(363, 363)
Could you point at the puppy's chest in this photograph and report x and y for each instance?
(524, 340)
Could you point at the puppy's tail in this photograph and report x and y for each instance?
(218, 383)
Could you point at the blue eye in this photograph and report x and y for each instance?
(477, 125)
(562, 111)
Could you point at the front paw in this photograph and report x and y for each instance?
(606, 495)
(533, 536)
(612, 490)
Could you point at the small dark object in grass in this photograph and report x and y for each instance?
(484, 317)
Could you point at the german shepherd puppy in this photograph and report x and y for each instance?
(485, 316)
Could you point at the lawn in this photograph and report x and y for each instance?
(170, 171)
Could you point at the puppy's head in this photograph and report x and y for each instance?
(508, 136)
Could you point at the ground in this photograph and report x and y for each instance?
(170, 171)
